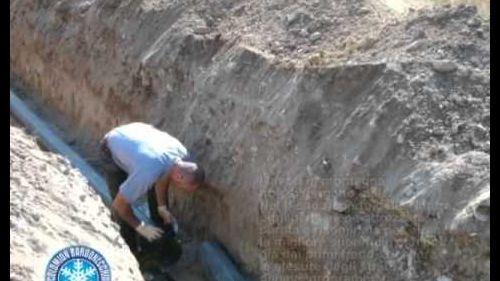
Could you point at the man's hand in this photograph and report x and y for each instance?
(149, 232)
(165, 214)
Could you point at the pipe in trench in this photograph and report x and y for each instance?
(216, 265)
(53, 142)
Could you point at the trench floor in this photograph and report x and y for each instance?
(188, 267)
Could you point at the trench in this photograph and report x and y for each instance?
(199, 261)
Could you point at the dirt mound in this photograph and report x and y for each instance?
(340, 140)
(52, 207)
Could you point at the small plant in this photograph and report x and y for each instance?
(317, 59)
(425, 248)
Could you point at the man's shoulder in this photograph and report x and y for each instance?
(135, 129)
(133, 125)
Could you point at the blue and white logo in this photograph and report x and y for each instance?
(78, 263)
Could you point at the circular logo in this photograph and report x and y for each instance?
(78, 263)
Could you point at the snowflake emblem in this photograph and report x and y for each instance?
(78, 270)
(78, 263)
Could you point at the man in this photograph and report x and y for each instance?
(142, 160)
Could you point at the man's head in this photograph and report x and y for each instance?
(187, 175)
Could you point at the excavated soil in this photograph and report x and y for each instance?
(342, 140)
(24, 149)
(52, 207)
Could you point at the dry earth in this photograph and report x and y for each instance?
(342, 139)
(52, 207)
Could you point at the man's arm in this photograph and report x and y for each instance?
(122, 207)
(161, 187)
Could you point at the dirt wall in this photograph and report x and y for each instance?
(51, 208)
(296, 146)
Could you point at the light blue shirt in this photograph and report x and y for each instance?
(145, 153)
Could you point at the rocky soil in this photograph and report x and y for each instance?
(52, 207)
(342, 140)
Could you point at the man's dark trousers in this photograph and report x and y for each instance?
(167, 248)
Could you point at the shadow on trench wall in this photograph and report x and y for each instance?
(216, 263)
